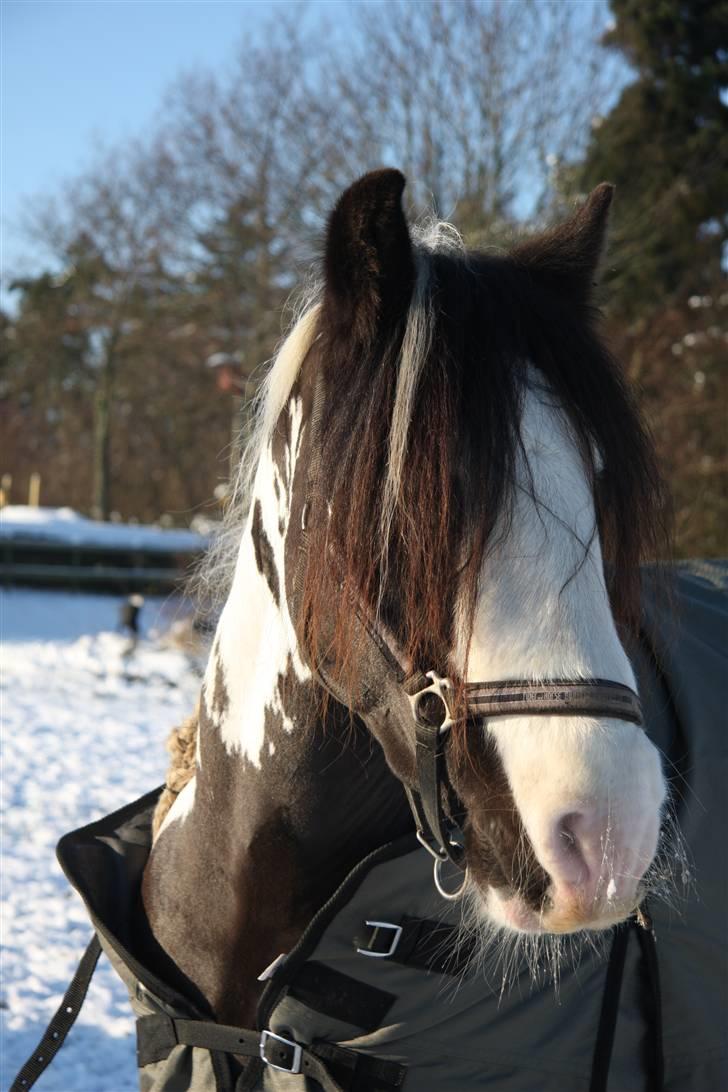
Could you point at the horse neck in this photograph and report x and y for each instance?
(268, 736)
(285, 798)
(264, 729)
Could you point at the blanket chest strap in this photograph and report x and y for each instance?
(335, 1068)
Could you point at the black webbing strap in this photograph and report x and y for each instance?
(427, 945)
(358, 1072)
(335, 1068)
(340, 996)
(158, 1035)
(653, 1006)
(61, 1023)
(610, 1008)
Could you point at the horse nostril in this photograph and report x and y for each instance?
(569, 857)
(566, 832)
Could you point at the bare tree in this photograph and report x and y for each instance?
(108, 233)
(477, 100)
(186, 245)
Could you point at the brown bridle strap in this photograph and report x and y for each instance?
(553, 697)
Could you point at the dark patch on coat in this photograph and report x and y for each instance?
(499, 850)
(220, 696)
(264, 557)
(225, 899)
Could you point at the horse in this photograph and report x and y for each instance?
(419, 757)
(449, 482)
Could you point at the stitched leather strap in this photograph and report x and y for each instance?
(433, 826)
(554, 697)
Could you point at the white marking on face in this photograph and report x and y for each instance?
(256, 639)
(543, 612)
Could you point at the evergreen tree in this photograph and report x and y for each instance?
(665, 145)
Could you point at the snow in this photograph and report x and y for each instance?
(66, 527)
(83, 730)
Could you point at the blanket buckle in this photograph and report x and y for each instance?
(294, 1052)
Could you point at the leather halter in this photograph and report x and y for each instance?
(439, 829)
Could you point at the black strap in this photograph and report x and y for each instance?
(335, 1068)
(436, 830)
(361, 1072)
(653, 1006)
(337, 995)
(610, 1008)
(427, 945)
(61, 1023)
(439, 831)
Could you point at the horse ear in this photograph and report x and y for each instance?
(369, 263)
(568, 255)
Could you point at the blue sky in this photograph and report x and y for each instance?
(77, 74)
(80, 72)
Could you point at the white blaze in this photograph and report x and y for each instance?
(543, 613)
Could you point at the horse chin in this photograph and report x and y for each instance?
(508, 910)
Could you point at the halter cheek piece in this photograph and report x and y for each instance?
(438, 832)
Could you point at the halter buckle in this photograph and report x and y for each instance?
(442, 687)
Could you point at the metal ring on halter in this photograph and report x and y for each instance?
(451, 896)
(442, 687)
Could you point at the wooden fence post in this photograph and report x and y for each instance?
(34, 490)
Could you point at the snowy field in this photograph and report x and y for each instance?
(83, 731)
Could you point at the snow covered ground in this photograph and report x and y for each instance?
(83, 732)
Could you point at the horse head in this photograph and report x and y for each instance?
(463, 491)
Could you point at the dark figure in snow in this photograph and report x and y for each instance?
(129, 613)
